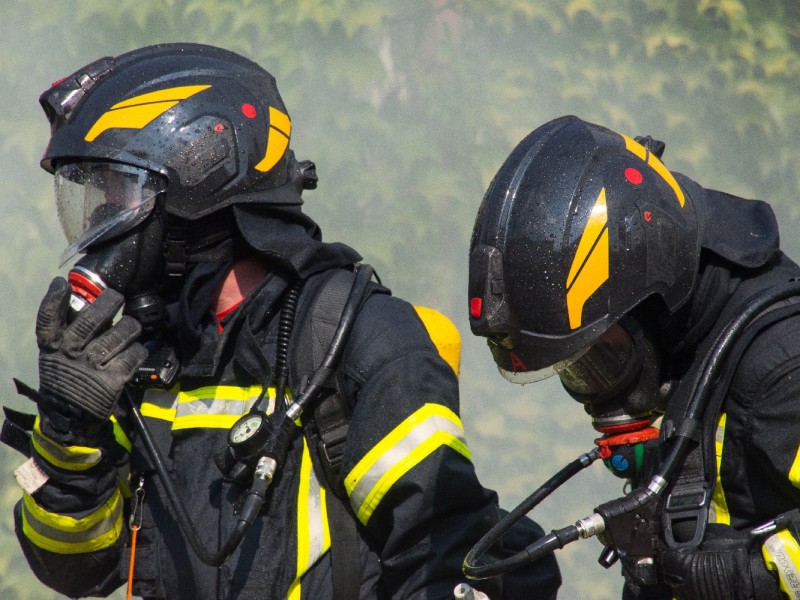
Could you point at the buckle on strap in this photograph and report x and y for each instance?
(684, 509)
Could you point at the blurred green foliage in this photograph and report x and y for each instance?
(408, 108)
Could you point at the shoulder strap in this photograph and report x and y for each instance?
(326, 431)
(685, 514)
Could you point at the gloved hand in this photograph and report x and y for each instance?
(84, 365)
(724, 567)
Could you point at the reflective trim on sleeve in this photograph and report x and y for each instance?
(67, 535)
(781, 554)
(120, 436)
(406, 446)
(313, 533)
(718, 510)
(69, 458)
(794, 471)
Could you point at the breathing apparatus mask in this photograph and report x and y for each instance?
(620, 380)
(108, 212)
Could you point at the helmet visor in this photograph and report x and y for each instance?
(605, 364)
(592, 370)
(98, 201)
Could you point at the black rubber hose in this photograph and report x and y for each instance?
(714, 362)
(252, 503)
(363, 275)
(285, 327)
(542, 546)
(695, 411)
(280, 442)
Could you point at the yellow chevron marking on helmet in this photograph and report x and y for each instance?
(590, 266)
(137, 112)
(280, 129)
(654, 163)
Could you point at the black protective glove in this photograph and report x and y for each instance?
(84, 365)
(726, 566)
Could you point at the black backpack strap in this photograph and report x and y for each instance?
(326, 430)
(689, 496)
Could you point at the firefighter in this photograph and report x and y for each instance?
(161, 431)
(592, 261)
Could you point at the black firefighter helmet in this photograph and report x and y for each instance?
(203, 127)
(579, 226)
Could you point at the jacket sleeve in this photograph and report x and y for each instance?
(764, 415)
(72, 529)
(408, 472)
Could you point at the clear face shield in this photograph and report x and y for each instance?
(98, 201)
(592, 370)
(619, 378)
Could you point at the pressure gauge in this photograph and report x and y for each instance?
(249, 434)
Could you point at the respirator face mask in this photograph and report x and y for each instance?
(619, 378)
(109, 212)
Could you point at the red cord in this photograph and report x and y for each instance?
(135, 530)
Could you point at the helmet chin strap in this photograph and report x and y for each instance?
(187, 243)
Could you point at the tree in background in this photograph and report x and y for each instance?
(408, 108)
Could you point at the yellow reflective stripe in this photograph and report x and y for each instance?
(718, 511)
(159, 404)
(157, 412)
(313, 533)
(408, 444)
(210, 407)
(216, 407)
(69, 458)
(781, 553)
(120, 436)
(67, 535)
(794, 471)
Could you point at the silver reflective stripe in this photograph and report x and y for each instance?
(67, 535)
(313, 535)
(418, 436)
(318, 538)
(70, 458)
(216, 407)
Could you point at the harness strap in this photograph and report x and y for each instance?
(327, 430)
(685, 514)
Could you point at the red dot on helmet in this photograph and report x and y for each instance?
(248, 110)
(633, 175)
(219, 127)
(475, 307)
(648, 215)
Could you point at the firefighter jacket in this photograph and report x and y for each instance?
(757, 447)
(409, 481)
